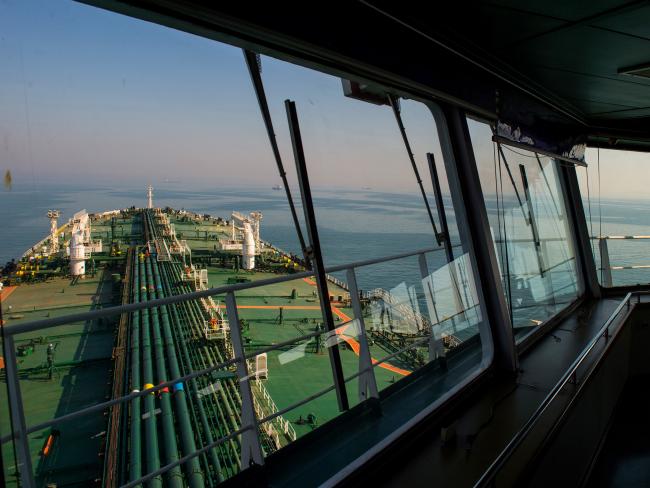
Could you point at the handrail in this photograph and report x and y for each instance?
(166, 384)
(562, 239)
(274, 415)
(605, 264)
(184, 459)
(595, 238)
(252, 423)
(368, 262)
(493, 470)
(347, 379)
(46, 323)
(98, 407)
(268, 418)
(132, 307)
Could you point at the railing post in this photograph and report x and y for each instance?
(25, 473)
(367, 381)
(251, 449)
(605, 265)
(436, 346)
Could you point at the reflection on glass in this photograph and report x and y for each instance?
(365, 162)
(128, 127)
(530, 229)
(282, 379)
(452, 302)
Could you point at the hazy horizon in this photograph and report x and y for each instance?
(92, 97)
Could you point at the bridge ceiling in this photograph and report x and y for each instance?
(548, 63)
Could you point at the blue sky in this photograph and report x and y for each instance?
(89, 96)
(92, 96)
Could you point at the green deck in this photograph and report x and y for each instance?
(201, 236)
(81, 378)
(83, 375)
(295, 380)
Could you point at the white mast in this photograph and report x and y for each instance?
(150, 196)
(77, 254)
(53, 215)
(79, 240)
(249, 226)
(248, 247)
(256, 217)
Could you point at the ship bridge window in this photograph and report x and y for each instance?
(158, 134)
(383, 199)
(615, 200)
(530, 229)
(301, 274)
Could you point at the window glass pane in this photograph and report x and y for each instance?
(529, 224)
(96, 107)
(618, 214)
(369, 206)
(158, 135)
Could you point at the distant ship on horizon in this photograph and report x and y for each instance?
(277, 187)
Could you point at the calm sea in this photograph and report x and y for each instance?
(353, 225)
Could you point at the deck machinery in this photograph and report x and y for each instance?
(146, 261)
(166, 343)
(157, 253)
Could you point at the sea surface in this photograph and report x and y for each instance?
(353, 226)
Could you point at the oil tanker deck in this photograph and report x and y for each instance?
(134, 255)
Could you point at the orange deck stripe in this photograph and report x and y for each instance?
(6, 291)
(275, 307)
(356, 346)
